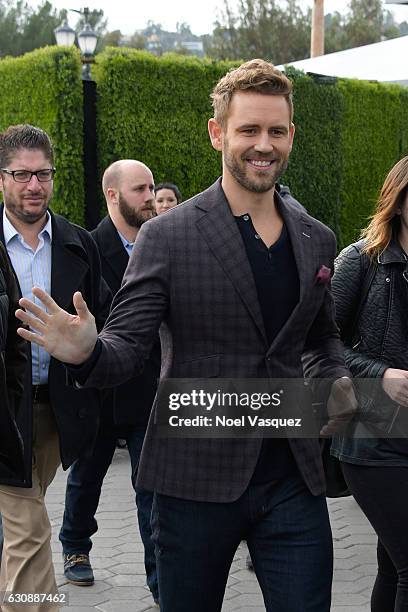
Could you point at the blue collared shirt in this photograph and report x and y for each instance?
(33, 269)
(128, 245)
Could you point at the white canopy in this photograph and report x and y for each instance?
(383, 61)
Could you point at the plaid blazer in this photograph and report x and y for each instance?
(189, 273)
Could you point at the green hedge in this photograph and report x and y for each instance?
(348, 133)
(314, 173)
(156, 110)
(374, 137)
(44, 88)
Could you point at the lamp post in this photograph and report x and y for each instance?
(64, 35)
(317, 36)
(87, 40)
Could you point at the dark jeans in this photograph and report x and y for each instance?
(288, 534)
(382, 494)
(84, 485)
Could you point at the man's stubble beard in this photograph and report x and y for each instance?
(29, 218)
(241, 176)
(133, 217)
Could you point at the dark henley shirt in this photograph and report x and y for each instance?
(277, 284)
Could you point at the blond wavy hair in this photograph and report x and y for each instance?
(385, 220)
(258, 76)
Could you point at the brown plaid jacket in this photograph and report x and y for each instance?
(189, 273)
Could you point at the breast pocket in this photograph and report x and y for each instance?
(203, 367)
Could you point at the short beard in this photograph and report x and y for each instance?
(253, 186)
(134, 218)
(24, 217)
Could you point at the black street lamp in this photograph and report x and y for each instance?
(87, 40)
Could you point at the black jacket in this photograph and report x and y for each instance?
(133, 400)
(381, 338)
(377, 341)
(13, 359)
(75, 267)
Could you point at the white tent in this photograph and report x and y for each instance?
(383, 61)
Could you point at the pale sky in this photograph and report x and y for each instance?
(129, 16)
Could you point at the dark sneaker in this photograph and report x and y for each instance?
(78, 570)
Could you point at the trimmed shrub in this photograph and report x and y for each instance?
(156, 110)
(374, 138)
(44, 88)
(314, 173)
(348, 133)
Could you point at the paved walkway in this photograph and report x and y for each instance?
(118, 563)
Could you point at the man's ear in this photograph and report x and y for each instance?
(291, 134)
(215, 132)
(112, 195)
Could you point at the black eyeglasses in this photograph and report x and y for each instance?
(25, 176)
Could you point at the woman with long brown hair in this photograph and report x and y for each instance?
(370, 288)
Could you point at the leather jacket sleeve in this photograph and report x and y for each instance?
(350, 269)
(16, 347)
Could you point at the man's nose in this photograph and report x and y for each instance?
(264, 143)
(34, 183)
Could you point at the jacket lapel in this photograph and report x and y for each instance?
(302, 242)
(112, 249)
(220, 230)
(69, 262)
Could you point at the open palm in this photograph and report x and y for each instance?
(69, 338)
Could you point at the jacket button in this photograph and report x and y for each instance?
(387, 280)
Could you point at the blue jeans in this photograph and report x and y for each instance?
(288, 534)
(84, 485)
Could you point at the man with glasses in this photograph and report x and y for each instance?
(58, 423)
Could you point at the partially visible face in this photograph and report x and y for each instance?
(257, 140)
(136, 195)
(26, 202)
(164, 200)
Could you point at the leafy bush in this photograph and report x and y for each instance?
(348, 133)
(44, 88)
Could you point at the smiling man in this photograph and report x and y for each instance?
(230, 276)
(57, 423)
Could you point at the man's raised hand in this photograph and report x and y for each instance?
(68, 338)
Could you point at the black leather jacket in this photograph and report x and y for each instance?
(13, 358)
(379, 340)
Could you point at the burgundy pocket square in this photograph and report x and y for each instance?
(323, 275)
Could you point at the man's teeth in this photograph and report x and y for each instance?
(263, 164)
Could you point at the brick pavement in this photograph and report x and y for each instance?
(118, 565)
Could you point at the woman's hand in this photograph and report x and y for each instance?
(395, 385)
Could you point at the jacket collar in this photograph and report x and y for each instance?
(69, 259)
(111, 248)
(392, 254)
